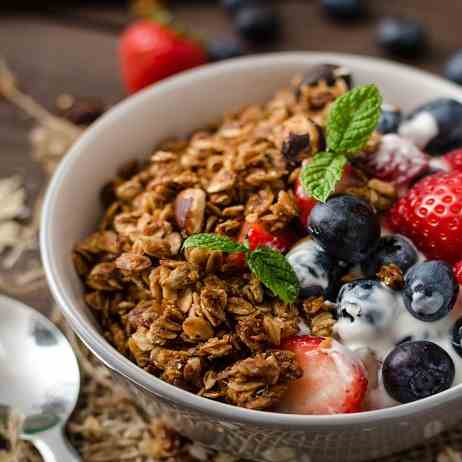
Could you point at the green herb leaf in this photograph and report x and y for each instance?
(352, 119)
(320, 176)
(213, 242)
(274, 272)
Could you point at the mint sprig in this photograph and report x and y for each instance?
(271, 267)
(351, 120)
(213, 242)
(275, 272)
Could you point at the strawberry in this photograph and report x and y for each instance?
(458, 272)
(397, 160)
(304, 202)
(257, 235)
(452, 160)
(334, 380)
(150, 52)
(430, 214)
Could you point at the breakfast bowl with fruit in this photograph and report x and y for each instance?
(266, 252)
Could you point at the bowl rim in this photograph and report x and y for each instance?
(106, 353)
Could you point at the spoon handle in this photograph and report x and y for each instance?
(54, 447)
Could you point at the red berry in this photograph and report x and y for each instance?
(430, 214)
(304, 202)
(458, 272)
(397, 160)
(257, 235)
(453, 160)
(150, 52)
(334, 380)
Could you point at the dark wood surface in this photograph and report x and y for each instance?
(72, 48)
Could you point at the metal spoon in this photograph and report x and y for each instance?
(39, 378)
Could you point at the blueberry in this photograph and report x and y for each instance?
(453, 69)
(344, 9)
(220, 49)
(456, 336)
(257, 23)
(415, 370)
(317, 272)
(394, 249)
(233, 6)
(402, 37)
(368, 304)
(436, 126)
(346, 227)
(430, 290)
(389, 119)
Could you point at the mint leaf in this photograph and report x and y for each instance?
(213, 242)
(320, 176)
(352, 118)
(274, 272)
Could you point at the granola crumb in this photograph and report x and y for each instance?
(392, 276)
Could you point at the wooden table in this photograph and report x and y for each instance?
(72, 49)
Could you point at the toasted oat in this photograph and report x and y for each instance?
(392, 276)
(196, 318)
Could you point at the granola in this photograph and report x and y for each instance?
(198, 318)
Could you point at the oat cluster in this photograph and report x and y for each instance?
(199, 319)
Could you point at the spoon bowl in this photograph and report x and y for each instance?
(39, 377)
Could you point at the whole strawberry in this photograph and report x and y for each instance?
(150, 52)
(430, 214)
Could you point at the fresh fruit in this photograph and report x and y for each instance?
(452, 161)
(458, 272)
(453, 70)
(401, 36)
(415, 370)
(392, 249)
(257, 235)
(397, 160)
(257, 23)
(435, 127)
(346, 227)
(430, 214)
(317, 272)
(233, 6)
(366, 309)
(389, 119)
(304, 202)
(430, 290)
(456, 336)
(343, 9)
(220, 49)
(150, 52)
(334, 380)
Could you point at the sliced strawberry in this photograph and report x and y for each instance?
(257, 235)
(304, 202)
(458, 272)
(397, 160)
(334, 380)
(430, 214)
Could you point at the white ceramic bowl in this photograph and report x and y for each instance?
(176, 107)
